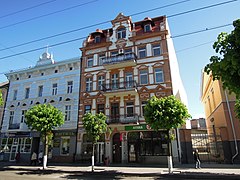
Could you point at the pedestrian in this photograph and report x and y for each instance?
(34, 159)
(17, 158)
(40, 157)
(197, 159)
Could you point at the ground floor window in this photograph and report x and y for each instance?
(24, 144)
(65, 145)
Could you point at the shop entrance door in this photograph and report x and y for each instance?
(14, 150)
(99, 152)
(117, 149)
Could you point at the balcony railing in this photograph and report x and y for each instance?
(14, 126)
(118, 86)
(120, 58)
(123, 119)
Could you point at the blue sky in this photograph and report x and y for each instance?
(193, 51)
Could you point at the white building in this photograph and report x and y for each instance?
(51, 82)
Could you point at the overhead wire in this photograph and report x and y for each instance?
(64, 42)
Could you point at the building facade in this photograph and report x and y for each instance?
(122, 68)
(220, 117)
(4, 91)
(51, 82)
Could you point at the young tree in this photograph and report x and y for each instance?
(165, 113)
(226, 66)
(44, 118)
(95, 126)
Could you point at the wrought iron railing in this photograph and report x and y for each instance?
(120, 58)
(126, 85)
(124, 119)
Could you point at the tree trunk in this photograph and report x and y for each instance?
(45, 151)
(93, 158)
(170, 164)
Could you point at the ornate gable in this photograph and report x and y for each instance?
(120, 17)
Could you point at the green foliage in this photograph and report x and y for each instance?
(44, 118)
(95, 125)
(237, 108)
(1, 98)
(165, 113)
(226, 66)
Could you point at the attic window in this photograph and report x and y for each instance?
(147, 28)
(97, 39)
(68, 99)
(52, 101)
(56, 71)
(29, 76)
(121, 33)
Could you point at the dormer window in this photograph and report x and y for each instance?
(121, 33)
(97, 39)
(147, 28)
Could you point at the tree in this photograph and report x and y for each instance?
(165, 113)
(44, 118)
(226, 66)
(95, 126)
(1, 98)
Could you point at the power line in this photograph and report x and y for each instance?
(26, 9)
(104, 22)
(192, 47)
(45, 15)
(77, 39)
(86, 27)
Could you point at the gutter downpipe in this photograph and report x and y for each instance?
(233, 128)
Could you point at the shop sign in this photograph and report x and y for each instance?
(137, 128)
(56, 143)
(65, 134)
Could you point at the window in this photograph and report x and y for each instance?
(156, 50)
(54, 89)
(40, 91)
(147, 28)
(23, 116)
(65, 145)
(114, 54)
(56, 71)
(11, 116)
(67, 113)
(121, 33)
(97, 39)
(101, 59)
(100, 108)
(87, 109)
(101, 80)
(90, 62)
(89, 84)
(130, 109)
(27, 92)
(69, 87)
(143, 106)
(159, 75)
(15, 95)
(129, 80)
(115, 83)
(142, 52)
(127, 51)
(143, 77)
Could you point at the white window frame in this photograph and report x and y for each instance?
(147, 28)
(159, 74)
(101, 80)
(11, 117)
(143, 104)
(54, 88)
(121, 33)
(69, 87)
(89, 84)
(143, 73)
(131, 106)
(142, 50)
(67, 112)
(90, 62)
(23, 116)
(101, 58)
(97, 39)
(156, 48)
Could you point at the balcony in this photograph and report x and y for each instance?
(120, 87)
(123, 119)
(120, 61)
(14, 126)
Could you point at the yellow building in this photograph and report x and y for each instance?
(220, 117)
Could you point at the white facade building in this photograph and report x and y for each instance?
(51, 82)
